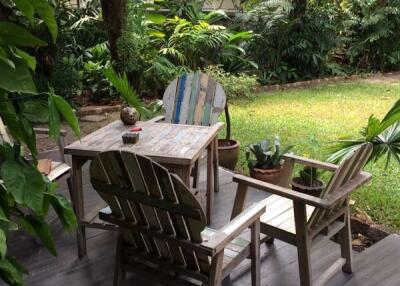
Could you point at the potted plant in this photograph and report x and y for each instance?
(265, 160)
(228, 149)
(308, 182)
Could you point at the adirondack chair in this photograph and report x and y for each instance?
(58, 168)
(162, 225)
(304, 220)
(197, 99)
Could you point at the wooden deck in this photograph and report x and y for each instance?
(377, 266)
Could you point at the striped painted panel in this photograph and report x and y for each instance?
(194, 99)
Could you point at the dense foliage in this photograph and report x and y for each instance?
(327, 39)
(25, 194)
(154, 48)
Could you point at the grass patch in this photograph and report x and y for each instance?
(311, 119)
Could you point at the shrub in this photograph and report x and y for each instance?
(373, 33)
(235, 85)
(288, 47)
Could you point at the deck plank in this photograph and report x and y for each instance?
(376, 266)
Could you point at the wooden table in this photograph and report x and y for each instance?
(175, 146)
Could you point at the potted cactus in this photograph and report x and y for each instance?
(265, 160)
(308, 182)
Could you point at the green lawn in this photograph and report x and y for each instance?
(311, 119)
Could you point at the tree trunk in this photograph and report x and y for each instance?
(113, 15)
(300, 7)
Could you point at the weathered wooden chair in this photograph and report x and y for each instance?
(303, 220)
(58, 168)
(162, 225)
(195, 99)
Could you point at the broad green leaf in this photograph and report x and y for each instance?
(18, 79)
(25, 183)
(15, 35)
(157, 19)
(37, 226)
(54, 119)
(11, 272)
(35, 111)
(3, 243)
(64, 211)
(8, 62)
(67, 113)
(46, 13)
(156, 33)
(25, 7)
(30, 61)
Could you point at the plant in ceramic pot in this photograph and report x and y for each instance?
(265, 160)
(228, 149)
(308, 182)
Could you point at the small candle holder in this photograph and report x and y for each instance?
(130, 138)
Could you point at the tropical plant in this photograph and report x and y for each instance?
(154, 48)
(383, 134)
(125, 89)
(75, 61)
(266, 155)
(25, 194)
(288, 46)
(373, 33)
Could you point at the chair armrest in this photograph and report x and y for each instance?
(311, 162)
(326, 203)
(45, 131)
(157, 119)
(229, 232)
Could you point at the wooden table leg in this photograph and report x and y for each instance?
(216, 166)
(77, 201)
(210, 180)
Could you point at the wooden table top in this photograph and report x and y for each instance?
(164, 142)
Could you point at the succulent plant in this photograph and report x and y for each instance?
(265, 155)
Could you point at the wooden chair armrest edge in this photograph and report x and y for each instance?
(157, 118)
(46, 131)
(310, 162)
(235, 227)
(280, 191)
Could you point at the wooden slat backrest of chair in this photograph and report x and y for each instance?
(194, 98)
(144, 193)
(347, 170)
(3, 133)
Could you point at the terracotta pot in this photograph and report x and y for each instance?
(315, 190)
(228, 153)
(272, 176)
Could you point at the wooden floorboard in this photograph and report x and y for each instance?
(378, 266)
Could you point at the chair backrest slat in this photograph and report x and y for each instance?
(127, 173)
(347, 170)
(194, 98)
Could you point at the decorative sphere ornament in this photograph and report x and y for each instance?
(129, 115)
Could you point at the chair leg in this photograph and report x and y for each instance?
(255, 254)
(196, 174)
(69, 185)
(303, 242)
(345, 244)
(119, 272)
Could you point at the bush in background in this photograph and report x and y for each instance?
(235, 85)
